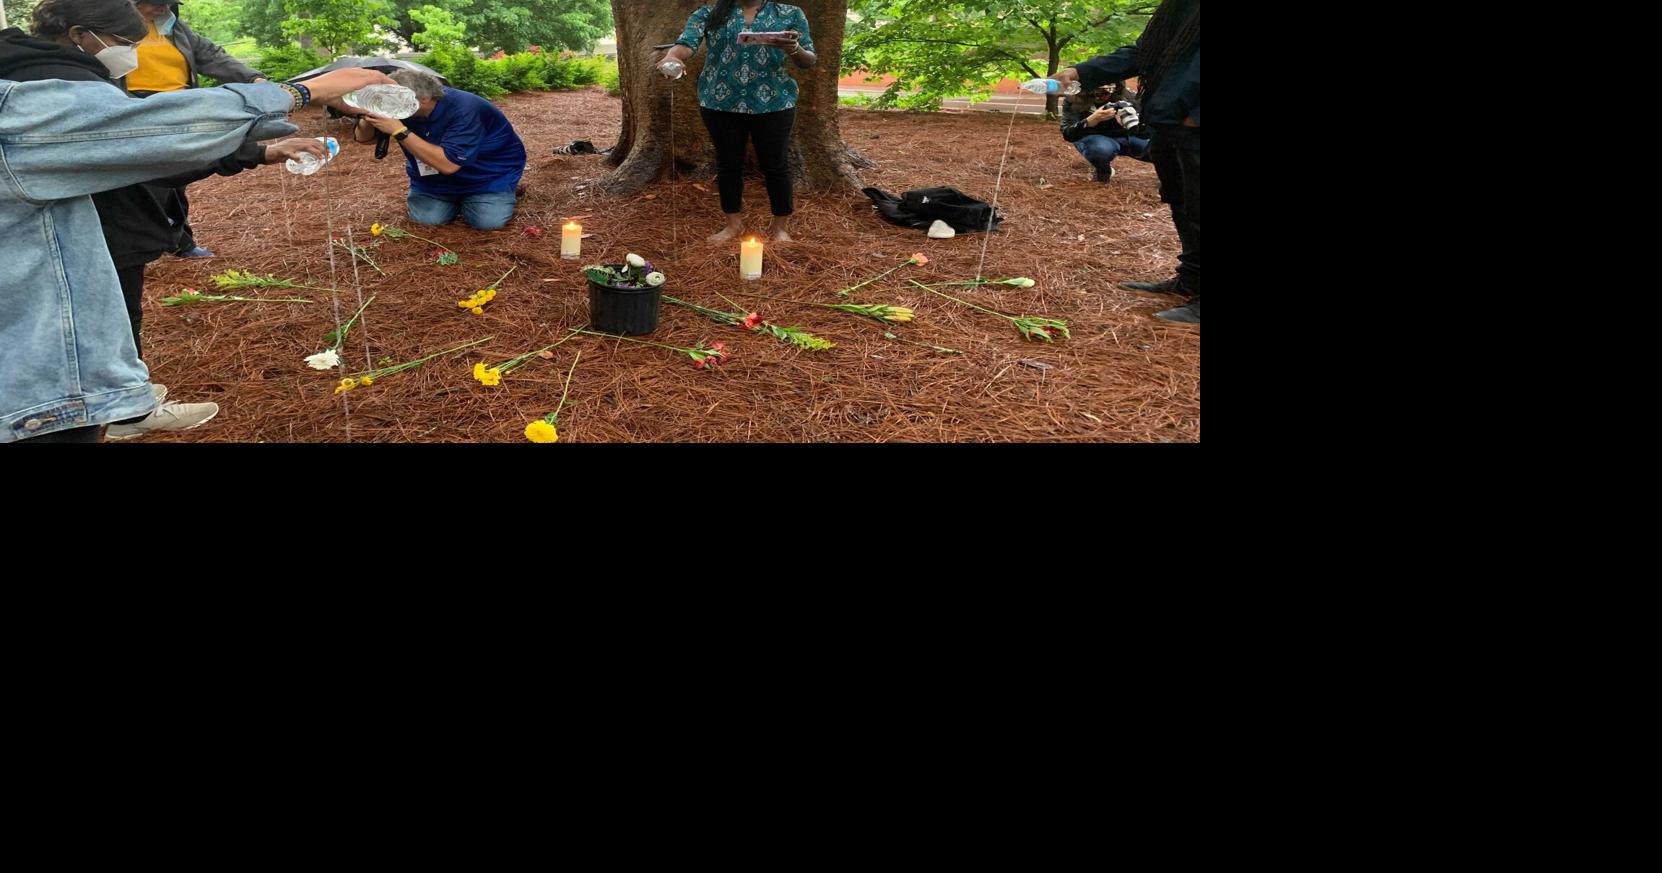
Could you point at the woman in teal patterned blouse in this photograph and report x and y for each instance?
(745, 94)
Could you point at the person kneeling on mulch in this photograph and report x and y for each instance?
(461, 153)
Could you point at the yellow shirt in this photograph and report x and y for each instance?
(161, 66)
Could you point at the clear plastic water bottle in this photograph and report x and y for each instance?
(306, 164)
(1051, 86)
(673, 69)
(393, 101)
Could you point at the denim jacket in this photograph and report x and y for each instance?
(67, 357)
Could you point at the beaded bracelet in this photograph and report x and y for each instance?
(294, 93)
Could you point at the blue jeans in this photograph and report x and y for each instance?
(67, 359)
(1101, 150)
(487, 211)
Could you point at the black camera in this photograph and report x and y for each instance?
(1136, 127)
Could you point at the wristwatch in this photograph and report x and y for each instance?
(401, 134)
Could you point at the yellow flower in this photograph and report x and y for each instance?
(479, 371)
(465, 304)
(345, 385)
(366, 381)
(541, 432)
(375, 229)
(477, 310)
(493, 377)
(898, 313)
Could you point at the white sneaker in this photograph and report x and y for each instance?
(159, 390)
(168, 416)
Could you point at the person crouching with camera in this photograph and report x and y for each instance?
(1103, 127)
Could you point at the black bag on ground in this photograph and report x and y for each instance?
(925, 206)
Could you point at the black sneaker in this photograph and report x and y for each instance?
(1189, 313)
(1174, 285)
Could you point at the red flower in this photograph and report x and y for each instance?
(534, 49)
(534, 232)
(499, 56)
(753, 321)
(698, 363)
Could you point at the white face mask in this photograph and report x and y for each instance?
(118, 59)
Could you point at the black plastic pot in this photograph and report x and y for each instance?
(625, 311)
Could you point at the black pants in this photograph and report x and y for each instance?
(1175, 151)
(179, 213)
(92, 434)
(132, 290)
(771, 132)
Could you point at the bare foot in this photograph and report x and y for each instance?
(733, 229)
(779, 233)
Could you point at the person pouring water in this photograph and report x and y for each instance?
(461, 153)
(745, 94)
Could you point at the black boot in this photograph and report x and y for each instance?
(1186, 314)
(1173, 285)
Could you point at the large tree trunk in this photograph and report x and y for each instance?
(819, 159)
(1055, 63)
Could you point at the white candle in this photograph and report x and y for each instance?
(750, 259)
(571, 241)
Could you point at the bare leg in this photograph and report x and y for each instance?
(735, 226)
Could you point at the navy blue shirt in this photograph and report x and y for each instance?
(476, 136)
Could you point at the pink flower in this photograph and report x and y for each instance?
(753, 321)
(534, 232)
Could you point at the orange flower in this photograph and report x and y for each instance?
(919, 259)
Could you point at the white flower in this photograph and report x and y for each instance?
(636, 261)
(324, 360)
(654, 279)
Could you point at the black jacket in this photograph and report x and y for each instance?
(1075, 129)
(136, 228)
(1174, 98)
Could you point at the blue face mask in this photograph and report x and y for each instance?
(165, 25)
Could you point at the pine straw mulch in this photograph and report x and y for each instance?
(1122, 377)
